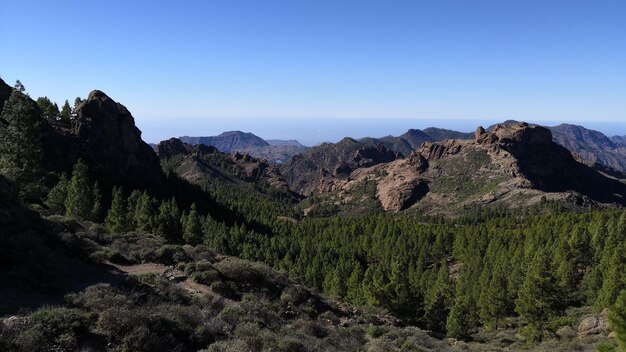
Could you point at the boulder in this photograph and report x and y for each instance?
(594, 325)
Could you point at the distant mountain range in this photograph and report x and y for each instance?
(591, 147)
(275, 151)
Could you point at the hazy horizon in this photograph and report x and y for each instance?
(314, 131)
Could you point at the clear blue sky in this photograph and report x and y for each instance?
(433, 60)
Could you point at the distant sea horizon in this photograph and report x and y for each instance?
(315, 131)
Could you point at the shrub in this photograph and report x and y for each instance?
(227, 289)
(61, 327)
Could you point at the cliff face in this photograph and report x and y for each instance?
(514, 164)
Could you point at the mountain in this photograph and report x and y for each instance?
(592, 146)
(441, 134)
(228, 141)
(406, 143)
(304, 171)
(205, 165)
(276, 152)
(284, 143)
(515, 165)
(621, 140)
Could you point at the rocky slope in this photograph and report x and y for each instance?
(306, 172)
(515, 165)
(592, 146)
(204, 165)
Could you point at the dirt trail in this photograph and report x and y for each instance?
(172, 274)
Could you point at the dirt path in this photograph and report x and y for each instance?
(174, 275)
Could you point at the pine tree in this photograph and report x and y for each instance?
(439, 299)
(117, 216)
(193, 227)
(56, 197)
(143, 216)
(168, 221)
(96, 209)
(458, 324)
(493, 300)
(613, 280)
(354, 291)
(539, 298)
(79, 201)
(66, 111)
(617, 320)
(21, 151)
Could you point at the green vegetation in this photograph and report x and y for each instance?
(232, 263)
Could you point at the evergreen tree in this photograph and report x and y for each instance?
(66, 111)
(193, 227)
(57, 195)
(50, 110)
(493, 300)
(21, 152)
(439, 300)
(117, 216)
(143, 216)
(168, 221)
(79, 202)
(613, 280)
(617, 320)
(354, 292)
(458, 323)
(539, 298)
(96, 208)
(77, 102)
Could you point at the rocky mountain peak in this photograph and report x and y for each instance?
(104, 134)
(514, 133)
(170, 148)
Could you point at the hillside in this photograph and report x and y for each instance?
(592, 146)
(304, 171)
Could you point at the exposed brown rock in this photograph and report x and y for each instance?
(594, 325)
(516, 165)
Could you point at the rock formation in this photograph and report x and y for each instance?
(514, 164)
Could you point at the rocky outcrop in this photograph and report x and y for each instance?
(439, 150)
(594, 325)
(373, 155)
(170, 148)
(105, 135)
(513, 164)
(404, 184)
